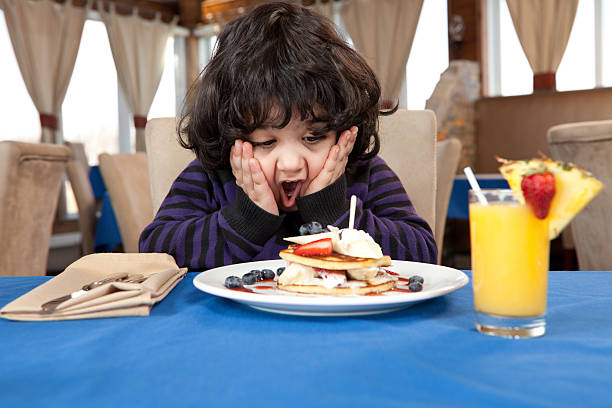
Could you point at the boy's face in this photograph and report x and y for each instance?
(291, 158)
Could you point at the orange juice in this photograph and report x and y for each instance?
(510, 252)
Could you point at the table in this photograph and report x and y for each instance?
(458, 203)
(107, 236)
(199, 350)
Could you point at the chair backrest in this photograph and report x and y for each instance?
(78, 175)
(165, 157)
(30, 181)
(408, 145)
(126, 178)
(448, 155)
(589, 144)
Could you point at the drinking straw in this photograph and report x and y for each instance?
(352, 212)
(472, 180)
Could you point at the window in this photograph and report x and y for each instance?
(587, 61)
(164, 103)
(15, 101)
(89, 111)
(429, 55)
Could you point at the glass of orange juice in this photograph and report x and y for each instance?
(510, 252)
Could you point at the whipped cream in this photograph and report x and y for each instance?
(363, 274)
(356, 243)
(296, 273)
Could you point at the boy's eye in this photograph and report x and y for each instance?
(314, 139)
(266, 143)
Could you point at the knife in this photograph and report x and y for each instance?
(50, 306)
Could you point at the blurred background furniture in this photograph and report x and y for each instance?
(407, 144)
(78, 175)
(165, 157)
(448, 155)
(30, 182)
(589, 144)
(126, 179)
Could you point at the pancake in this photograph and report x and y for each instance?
(335, 261)
(340, 291)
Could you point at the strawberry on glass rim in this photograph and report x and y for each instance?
(555, 190)
(539, 189)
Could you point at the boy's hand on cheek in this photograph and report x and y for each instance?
(250, 178)
(336, 162)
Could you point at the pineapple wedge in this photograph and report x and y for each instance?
(575, 187)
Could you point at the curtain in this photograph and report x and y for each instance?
(383, 31)
(543, 28)
(46, 38)
(138, 47)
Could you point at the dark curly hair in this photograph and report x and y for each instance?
(279, 60)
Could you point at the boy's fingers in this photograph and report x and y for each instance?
(246, 154)
(259, 181)
(331, 164)
(236, 161)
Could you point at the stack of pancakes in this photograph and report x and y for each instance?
(363, 275)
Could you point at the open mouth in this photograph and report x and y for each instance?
(290, 190)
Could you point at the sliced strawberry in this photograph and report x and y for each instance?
(539, 190)
(321, 247)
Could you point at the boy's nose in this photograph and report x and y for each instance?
(289, 161)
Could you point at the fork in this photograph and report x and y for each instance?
(50, 306)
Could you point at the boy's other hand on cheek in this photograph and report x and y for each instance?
(336, 162)
(250, 177)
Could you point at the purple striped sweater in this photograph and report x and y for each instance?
(205, 221)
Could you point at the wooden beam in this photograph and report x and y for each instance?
(146, 9)
(222, 11)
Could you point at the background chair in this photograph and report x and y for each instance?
(589, 144)
(448, 155)
(78, 175)
(407, 144)
(165, 157)
(30, 181)
(126, 177)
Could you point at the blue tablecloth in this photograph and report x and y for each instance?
(458, 204)
(199, 350)
(107, 236)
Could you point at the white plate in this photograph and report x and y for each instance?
(439, 280)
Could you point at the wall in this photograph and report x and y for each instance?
(514, 127)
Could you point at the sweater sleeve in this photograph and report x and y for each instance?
(383, 210)
(203, 223)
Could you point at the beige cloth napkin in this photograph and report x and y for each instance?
(113, 299)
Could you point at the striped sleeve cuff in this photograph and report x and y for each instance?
(325, 206)
(249, 220)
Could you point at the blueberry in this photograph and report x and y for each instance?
(315, 227)
(416, 278)
(304, 229)
(249, 278)
(257, 273)
(233, 282)
(415, 287)
(267, 273)
(312, 227)
(280, 271)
